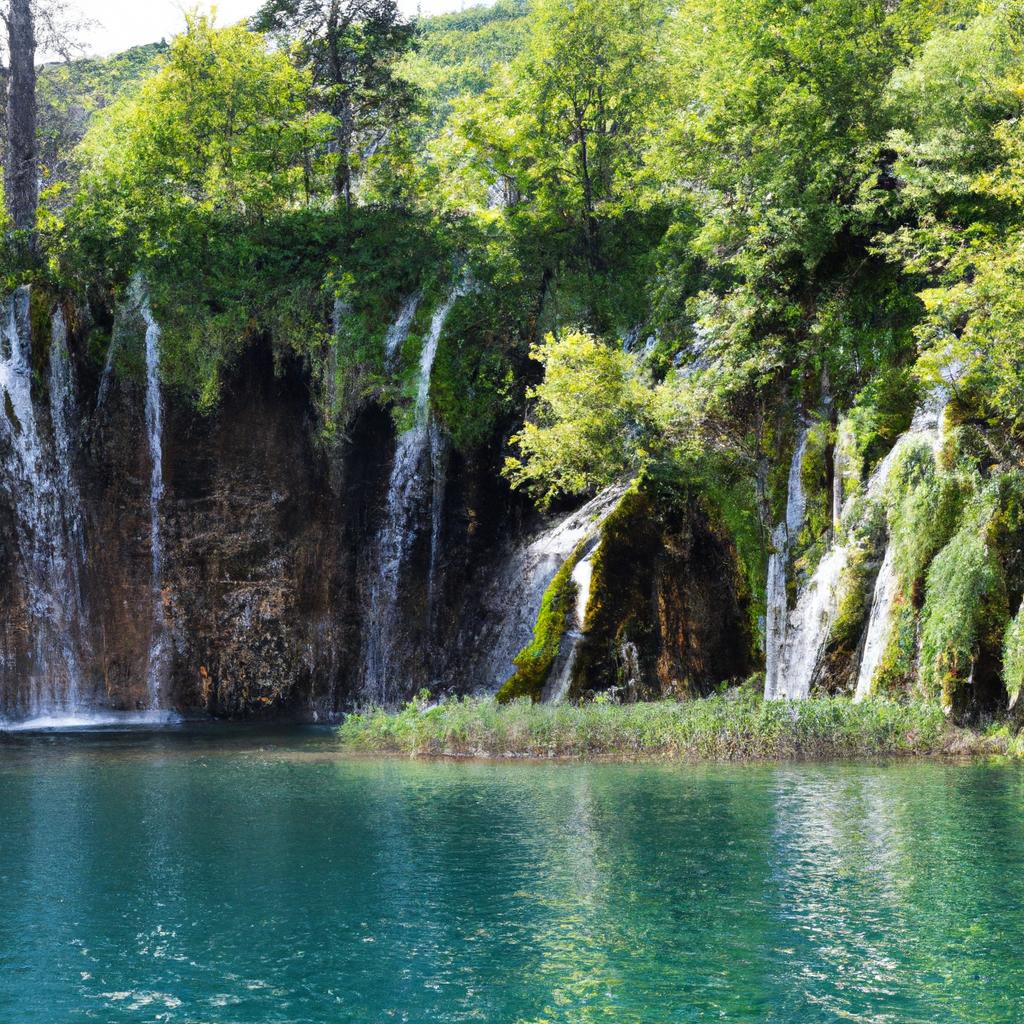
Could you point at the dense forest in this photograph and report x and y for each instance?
(754, 268)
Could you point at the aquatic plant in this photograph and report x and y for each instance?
(725, 727)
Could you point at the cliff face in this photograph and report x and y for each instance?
(271, 564)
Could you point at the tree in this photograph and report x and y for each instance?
(21, 166)
(222, 130)
(28, 25)
(592, 422)
(351, 48)
(565, 127)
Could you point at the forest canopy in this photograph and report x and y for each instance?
(801, 206)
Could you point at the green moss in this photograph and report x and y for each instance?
(924, 510)
(895, 674)
(882, 412)
(535, 661)
(1013, 657)
(815, 478)
(854, 601)
(475, 385)
(963, 588)
(732, 500)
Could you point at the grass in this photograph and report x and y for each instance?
(718, 728)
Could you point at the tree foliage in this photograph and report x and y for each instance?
(351, 48)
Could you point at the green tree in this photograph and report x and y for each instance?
(593, 419)
(221, 130)
(565, 128)
(352, 49)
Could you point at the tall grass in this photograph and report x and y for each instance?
(718, 728)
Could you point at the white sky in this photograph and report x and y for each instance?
(124, 23)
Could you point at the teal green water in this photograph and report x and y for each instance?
(250, 878)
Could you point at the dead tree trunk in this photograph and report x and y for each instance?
(21, 173)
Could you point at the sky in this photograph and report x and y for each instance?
(124, 23)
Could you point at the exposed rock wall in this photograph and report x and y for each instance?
(268, 537)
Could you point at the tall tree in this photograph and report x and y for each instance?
(21, 167)
(352, 48)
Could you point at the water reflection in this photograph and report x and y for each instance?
(235, 880)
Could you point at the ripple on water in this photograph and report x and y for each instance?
(246, 877)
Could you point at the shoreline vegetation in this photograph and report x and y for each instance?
(722, 728)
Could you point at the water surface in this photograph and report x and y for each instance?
(242, 877)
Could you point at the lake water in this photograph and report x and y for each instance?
(217, 876)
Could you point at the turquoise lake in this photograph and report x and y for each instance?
(215, 876)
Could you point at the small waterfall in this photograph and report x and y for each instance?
(439, 478)
(927, 424)
(510, 600)
(107, 377)
(157, 667)
(398, 332)
(809, 626)
(777, 600)
(48, 523)
(405, 494)
(879, 624)
(557, 688)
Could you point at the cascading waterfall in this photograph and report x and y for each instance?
(560, 682)
(398, 332)
(777, 601)
(157, 666)
(879, 624)
(512, 599)
(48, 528)
(809, 626)
(927, 424)
(405, 489)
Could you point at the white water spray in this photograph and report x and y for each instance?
(398, 332)
(47, 509)
(777, 601)
(156, 669)
(398, 534)
(927, 424)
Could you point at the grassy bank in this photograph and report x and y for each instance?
(720, 728)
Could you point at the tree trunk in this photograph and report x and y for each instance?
(589, 221)
(343, 139)
(21, 179)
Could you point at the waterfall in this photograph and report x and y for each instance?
(399, 532)
(439, 478)
(510, 599)
(807, 629)
(398, 332)
(927, 424)
(880, 623)
(157, 666)
(560, 681)
(777, 601)
(46, 509)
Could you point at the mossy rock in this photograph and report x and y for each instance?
(535, 661)
(667, 581)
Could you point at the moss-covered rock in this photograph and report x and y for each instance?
(1013, 657)
(965, 603)
(535, 661)
(668, 611)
